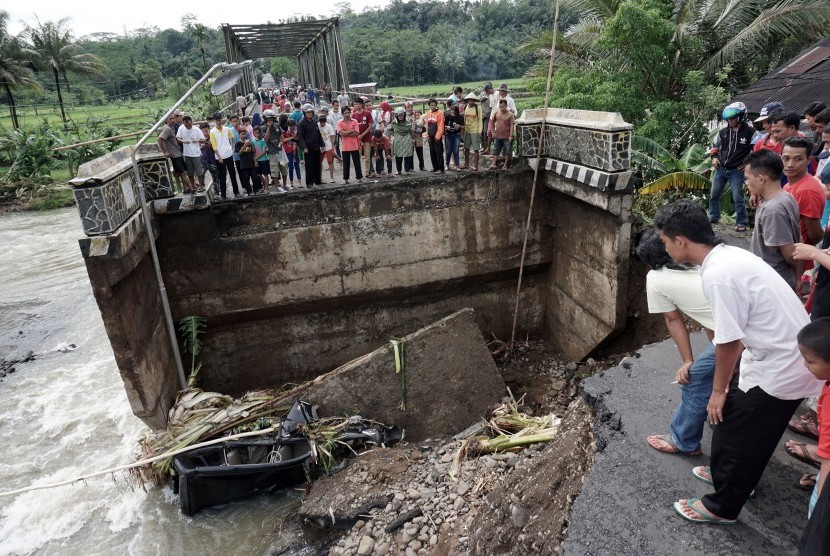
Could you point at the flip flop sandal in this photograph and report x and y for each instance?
(804, 456)
(655, 440)
(807, 481)
(705, 516)
(805, 425)
(740, 228)
(703, 473)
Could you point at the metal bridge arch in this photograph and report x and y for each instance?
(317, 45)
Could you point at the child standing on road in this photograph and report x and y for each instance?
(815, 348)
(289, 143)
(209, 159)
(327, 131)
(382, 148)
(263, 167)
(418, 129)
(247, 163)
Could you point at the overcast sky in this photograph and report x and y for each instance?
(91, 16)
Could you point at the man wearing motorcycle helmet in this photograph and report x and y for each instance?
(734, 143)
(312, 144)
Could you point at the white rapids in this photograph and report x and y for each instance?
(66, 414)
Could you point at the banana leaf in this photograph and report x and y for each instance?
(677, 180)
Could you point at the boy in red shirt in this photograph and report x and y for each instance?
(808, 192)
(815, 348)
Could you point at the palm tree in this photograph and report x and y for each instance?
(200, 33)
(16, 66)
(708, 34)
(53, 42)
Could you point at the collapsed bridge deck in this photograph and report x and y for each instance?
(295, 285)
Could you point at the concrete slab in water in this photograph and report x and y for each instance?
(451, 380)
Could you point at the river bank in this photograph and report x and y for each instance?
(53, 199)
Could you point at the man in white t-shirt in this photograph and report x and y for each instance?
(674, 291)
(191, 139)
(221, 141)
(757, 318)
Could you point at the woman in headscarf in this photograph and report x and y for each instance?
(402, 145)
(385, 120)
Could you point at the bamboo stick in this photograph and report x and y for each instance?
(102, 140)
(139, 463)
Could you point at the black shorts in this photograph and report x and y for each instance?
(178, 165)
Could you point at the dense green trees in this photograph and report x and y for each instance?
(434, 41)
(667, 65)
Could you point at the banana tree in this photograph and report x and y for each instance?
(686, 172)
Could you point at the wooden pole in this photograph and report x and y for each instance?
(103, 140)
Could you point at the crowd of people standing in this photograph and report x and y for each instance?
(766, 312)
(295, 130)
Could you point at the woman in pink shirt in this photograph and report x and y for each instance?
(348, 130)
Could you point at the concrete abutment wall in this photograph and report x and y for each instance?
(296, 285)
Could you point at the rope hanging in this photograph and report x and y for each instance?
(535, 173)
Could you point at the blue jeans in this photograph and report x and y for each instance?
(453, 143)
(735, 178)
(690, 416)
(293, 166)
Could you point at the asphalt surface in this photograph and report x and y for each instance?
(626, 502)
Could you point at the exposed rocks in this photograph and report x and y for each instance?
(506, 503)
(8, 365)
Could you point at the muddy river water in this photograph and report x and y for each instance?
(66, 414)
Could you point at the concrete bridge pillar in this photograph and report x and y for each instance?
(585, 163)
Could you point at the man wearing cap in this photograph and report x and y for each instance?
(472, 131)
(271, 132)
(177, 119)
(486, 110)
(504, 92)
(766, 141)
(311, 141)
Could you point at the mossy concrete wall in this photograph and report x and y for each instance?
(296, 285)
(293, 286)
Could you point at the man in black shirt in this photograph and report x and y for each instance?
(311, 141)
(734, 143)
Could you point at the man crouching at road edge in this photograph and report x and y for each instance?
(757, 318)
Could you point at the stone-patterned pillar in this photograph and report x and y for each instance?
(586, 158)
(593, 148)
(106, 192)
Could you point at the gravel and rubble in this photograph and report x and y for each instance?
(404, 501)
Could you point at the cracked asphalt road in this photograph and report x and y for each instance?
(626, 502)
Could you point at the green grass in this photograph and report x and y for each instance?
(128, 115)
(445, 89)
(53, 199)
